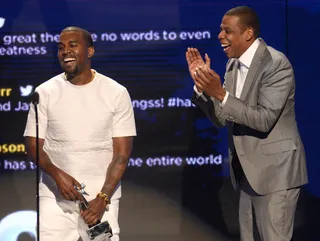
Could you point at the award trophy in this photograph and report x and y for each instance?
(100, 227)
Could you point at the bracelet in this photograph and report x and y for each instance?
(104, 196)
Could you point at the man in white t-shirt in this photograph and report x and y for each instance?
(86, 129)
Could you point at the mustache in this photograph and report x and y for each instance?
(67, 56)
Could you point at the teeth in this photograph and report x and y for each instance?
(225, 45)
(69, 59)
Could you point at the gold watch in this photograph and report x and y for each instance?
(104, 196)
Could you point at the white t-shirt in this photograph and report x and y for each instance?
(78, 124)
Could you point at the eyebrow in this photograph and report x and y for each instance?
(224, 27)
(71, 41)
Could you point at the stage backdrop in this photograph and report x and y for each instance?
(142, 44)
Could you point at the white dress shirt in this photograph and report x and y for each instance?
(245, 61)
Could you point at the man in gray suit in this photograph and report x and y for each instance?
(256, 103)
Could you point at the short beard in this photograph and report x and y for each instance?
(71, 74)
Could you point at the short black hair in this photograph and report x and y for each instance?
(247, 17)
(86, 35)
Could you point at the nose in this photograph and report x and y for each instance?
(65, 50)
(220, 35)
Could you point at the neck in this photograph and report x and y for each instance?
(246, 47)
(82, 78)
(250, 42)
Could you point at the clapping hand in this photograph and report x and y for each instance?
(195, 60)
(204, 77)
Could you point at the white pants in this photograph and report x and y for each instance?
(62, 221)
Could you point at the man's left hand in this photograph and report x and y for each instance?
(95, 211)
(209, 81)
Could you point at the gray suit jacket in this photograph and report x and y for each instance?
(261, 123)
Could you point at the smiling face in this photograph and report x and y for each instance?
(234, 37)
(73, 53)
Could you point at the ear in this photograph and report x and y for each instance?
(249, 34)
(90, 52)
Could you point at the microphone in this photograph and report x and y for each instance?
(34, 98)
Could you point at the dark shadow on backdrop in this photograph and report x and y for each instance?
(303, 27)
(202, 185)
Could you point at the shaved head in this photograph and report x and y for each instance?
(85, 34)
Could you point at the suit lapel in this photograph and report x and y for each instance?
(255, 64)
(231, 78)
(234, 77)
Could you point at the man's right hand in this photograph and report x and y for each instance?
(66, 185)
(195, 60)
(65, 182)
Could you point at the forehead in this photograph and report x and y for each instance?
(229, 21)
(71, 36)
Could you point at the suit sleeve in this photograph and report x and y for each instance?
(273, 95)
(210, 107)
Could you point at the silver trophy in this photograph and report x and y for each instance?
(100, 227)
